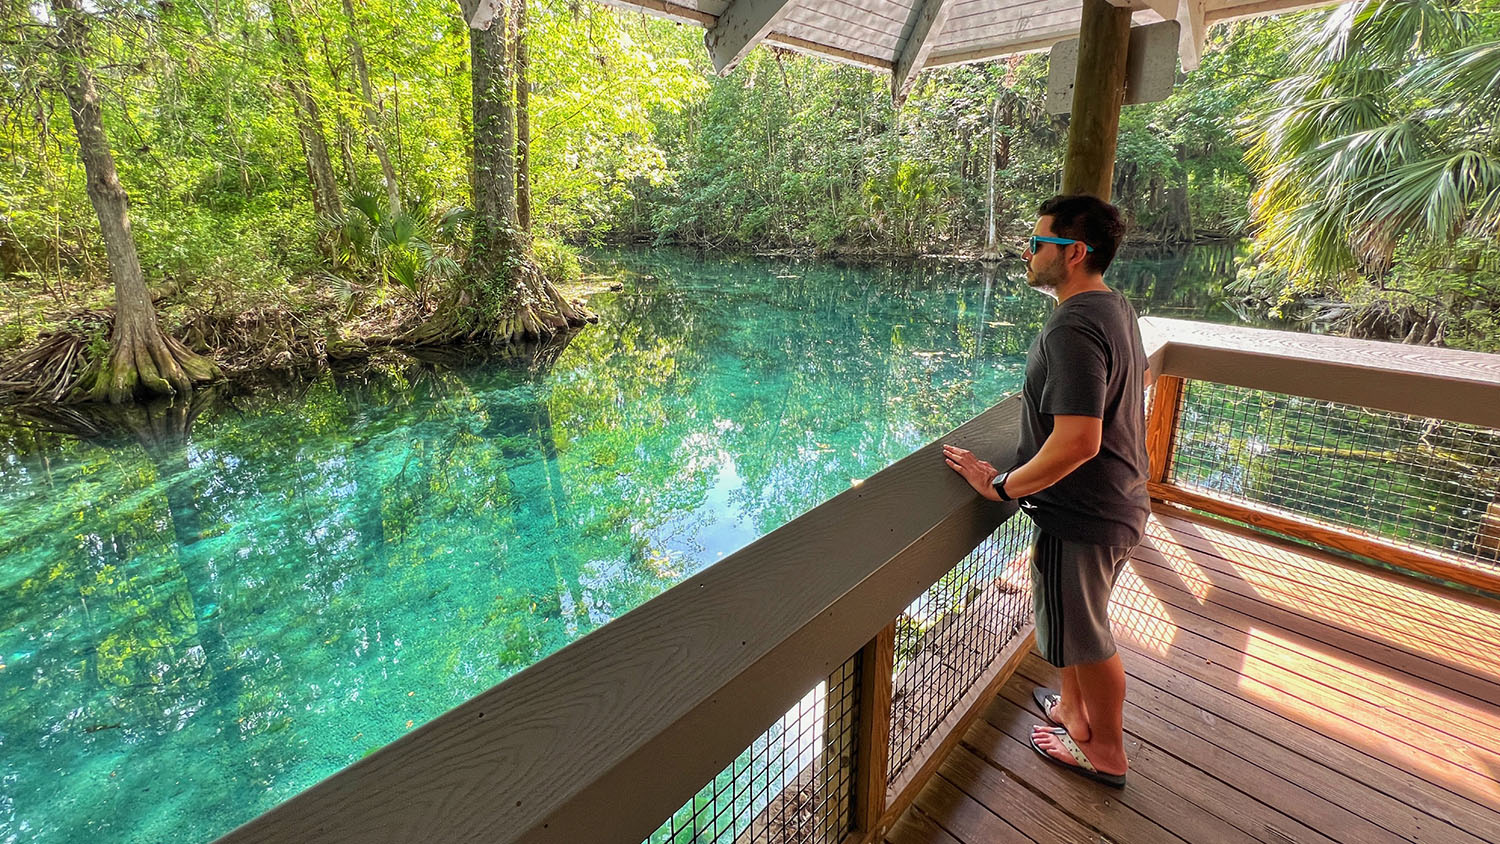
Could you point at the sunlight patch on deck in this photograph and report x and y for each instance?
(1381, 607)
(1194, 578)
(1352, 720)
(1140, 616)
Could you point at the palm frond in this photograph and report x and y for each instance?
(405, 268)
(400, 230)
(368, 205)
(1330, 43)
(1394, 31)
(452, 221)
(1471, 71)
(1300, 127)
(1437, 197)
(442, 267)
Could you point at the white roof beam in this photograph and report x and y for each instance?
(742, 25)
(930, 15)
(1194, 21)
(1166, 8)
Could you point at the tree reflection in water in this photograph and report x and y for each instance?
(208, 607)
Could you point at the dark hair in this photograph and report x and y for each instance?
(1089, 219)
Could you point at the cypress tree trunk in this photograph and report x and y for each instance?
(372, 116)
(1177, 218)
(523, 123)
(496, 234)
(325, 194)
(502, 295)
(991, 243)
(141, 358)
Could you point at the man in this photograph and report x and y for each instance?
(1080, 475)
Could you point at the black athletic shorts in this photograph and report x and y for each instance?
(1070, 587)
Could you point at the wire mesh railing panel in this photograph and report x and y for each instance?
(793, 785)
(1425, 483)
(953, 632)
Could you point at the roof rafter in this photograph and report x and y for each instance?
(1194, 23)
(1166, 8)
(742, 25)
(930, 16)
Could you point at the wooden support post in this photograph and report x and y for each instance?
(929, 756)
(877, 668)
(1103, 44)
(1488, 542)
(1161, 427)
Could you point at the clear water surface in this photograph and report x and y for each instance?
(207, 610)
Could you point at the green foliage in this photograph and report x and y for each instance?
(398, 246)
(1379, 160)
(557, 261)
(791, 151)
(1373, 152)
(907, 202)
(202, 125)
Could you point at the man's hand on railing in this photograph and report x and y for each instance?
(979, 474)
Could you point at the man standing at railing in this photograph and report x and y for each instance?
(1080, 475)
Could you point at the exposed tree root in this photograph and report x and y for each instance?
(51, 369)
(539, 311)
(270, 337)
(139, 364)
(143, 361)
(1405, 323)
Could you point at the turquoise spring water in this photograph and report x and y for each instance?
(206, 611)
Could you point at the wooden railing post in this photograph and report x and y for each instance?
(877, 664)
(1161, 426)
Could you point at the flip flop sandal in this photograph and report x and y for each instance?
(1083, 766)
(1047, 699)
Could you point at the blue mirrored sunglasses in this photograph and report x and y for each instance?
(1060, 241)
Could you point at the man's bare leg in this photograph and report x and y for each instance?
(1070, 710)
(1101, 687)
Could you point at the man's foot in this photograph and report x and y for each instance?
(1091, 759)
(1069, 717)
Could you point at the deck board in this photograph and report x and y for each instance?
(1425, 669)
(1276, 695)
(1347, 668)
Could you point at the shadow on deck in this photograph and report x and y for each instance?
(1276, 695)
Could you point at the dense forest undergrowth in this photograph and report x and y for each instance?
(187, 190)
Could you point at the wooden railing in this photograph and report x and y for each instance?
(604, 740)
(1440, 385)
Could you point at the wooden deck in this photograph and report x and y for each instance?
(1275, 696)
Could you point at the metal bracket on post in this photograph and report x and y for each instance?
(1150, 69)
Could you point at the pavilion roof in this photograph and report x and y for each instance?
(904, 36)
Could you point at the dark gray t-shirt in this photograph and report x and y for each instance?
(1089, 360)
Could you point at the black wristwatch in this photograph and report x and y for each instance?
(999, 484)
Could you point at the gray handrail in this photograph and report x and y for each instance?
(1450, 384)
